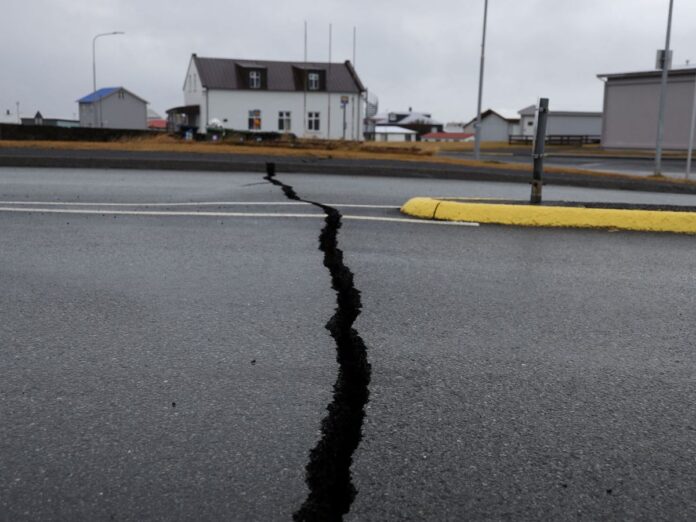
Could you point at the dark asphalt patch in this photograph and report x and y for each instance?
(331, 490)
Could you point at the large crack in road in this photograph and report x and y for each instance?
(331, 491)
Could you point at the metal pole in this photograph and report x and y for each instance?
(328, 89)
(477, 126)
(691, 134)
(94, 66)
(304, 82)
(538, 156)
(663, 96)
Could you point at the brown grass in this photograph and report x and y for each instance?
(412, 152)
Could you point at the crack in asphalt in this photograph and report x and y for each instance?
(331, 490)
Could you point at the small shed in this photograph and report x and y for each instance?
(113, 108)
(495, 126)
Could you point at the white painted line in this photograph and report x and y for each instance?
(191, 204)
(179, 204)
(349, 205)
(226, 214)
(412, 220)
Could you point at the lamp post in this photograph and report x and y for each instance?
(663, 95)
(94, 60)
(477, 125)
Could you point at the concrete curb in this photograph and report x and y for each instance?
(482, 211)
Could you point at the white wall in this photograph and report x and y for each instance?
(631, 108)
(565, 125)
(114, 112)
(232, 108)
(194, 94)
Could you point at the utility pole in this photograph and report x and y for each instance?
(666, 61)
(691, 133)
(94, 65)
(477, 127)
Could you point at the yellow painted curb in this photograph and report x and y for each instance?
(543, 216)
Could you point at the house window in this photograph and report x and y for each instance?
(254, 79)
(313, 81)
(284, 121)
(530, 123)
(255, 120)
(121, 95)
(313, 121)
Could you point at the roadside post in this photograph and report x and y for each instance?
(344, 102)
(538, 149)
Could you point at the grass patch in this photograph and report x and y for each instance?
(320, 149)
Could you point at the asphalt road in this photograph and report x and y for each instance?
(672, 168)
(166, 359)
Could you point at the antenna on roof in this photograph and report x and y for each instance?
(355, 38)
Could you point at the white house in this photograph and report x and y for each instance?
(495, 126)
(113, 108)
(313, 100)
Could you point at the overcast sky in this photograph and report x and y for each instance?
(410, 53)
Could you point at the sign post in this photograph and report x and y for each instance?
(542, 114)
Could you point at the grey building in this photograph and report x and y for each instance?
(631, 105)
(562, 123)
(113, 108)
(494, 126)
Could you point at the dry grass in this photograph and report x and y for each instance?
(321, 149)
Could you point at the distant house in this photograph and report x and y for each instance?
(393, 133)
(317, 100)
(155, 121)
(419, 122)
(113, 108)
(7, 116)
(448, 137)
(631, 104)
(38, 119)
(562, 123)
(494, 126)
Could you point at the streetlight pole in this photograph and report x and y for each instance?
(663, 95)
(94, 60)
(477, 127)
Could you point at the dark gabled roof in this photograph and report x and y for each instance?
(223, 74)
(489, 112)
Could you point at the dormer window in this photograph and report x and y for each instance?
(254, 79)
(313, 81)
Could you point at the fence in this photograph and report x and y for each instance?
(556, 139)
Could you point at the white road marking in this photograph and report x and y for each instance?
(227, 214)
(192, 204)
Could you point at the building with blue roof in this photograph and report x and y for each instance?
(113, 108)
